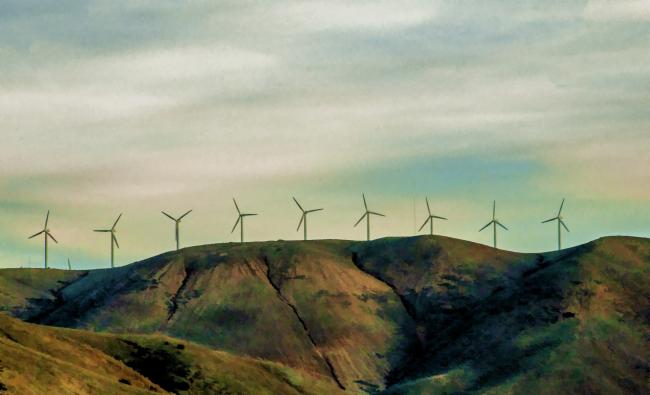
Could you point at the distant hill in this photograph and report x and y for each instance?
(400, 315)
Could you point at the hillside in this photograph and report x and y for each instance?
(36, 359)
(571, 322)
(404, 315)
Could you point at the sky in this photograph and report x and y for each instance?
(134, 107)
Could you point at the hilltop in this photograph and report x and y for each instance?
(400, 315)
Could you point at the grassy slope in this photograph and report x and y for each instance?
(569, 322)
(20, 287)
(424, 314)
(304, 305)
(357, 322)
(36, 359)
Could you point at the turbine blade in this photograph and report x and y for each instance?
(51, 237)
(236, 206)
(236, 223)
(101, 230)
(36, 234)
(248, 214)
(361, 219)
(561, 205)
(375, 213)
(564, 225)
(488, 224)
(425, 222)
(115, 240)
(501, 225)
(494, 209)
(299, 206)
(435, 216)
(314, 210)
(47, 218)
(302, 217)
(549, 220)
(116, 221)
(182, 216)
(364, 201)
(169, 216)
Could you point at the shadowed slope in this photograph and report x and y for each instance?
(19, 288)
(566, 322)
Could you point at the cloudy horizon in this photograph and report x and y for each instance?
(143, 106)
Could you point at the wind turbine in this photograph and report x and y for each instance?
(303, 217)
(559, 222)
(114, 242)
(177, 221)
(430, 218)
(240, 221)
(494, 223)
(69, 266)
(46, 233)
(366, 215)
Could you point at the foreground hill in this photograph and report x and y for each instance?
(404, 315)
(38, 359)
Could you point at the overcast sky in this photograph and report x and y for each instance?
(141, 106)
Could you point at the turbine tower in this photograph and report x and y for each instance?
(560, 221)
(494, 223)
(46, 233)
(69, 266)
(240, 220)
(367, 215)
(178, 222)
(114, 242)
(430, 218)
(303, 217)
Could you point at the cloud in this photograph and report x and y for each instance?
(130, 83)
(361, 15)
(607, 10)
(158, 69)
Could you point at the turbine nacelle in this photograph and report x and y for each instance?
(366, 215)
(47, 235)
(240, 220)
(560, 222)
(494, 223)
(303, 217)
(112, 230)
(177, 222)
(176, 219)
(430, 218)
